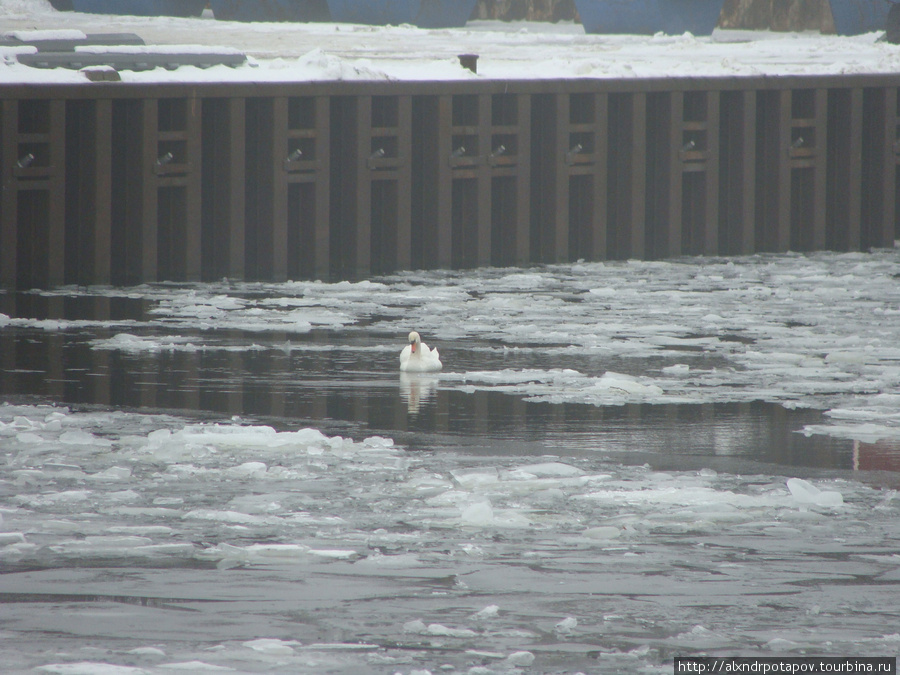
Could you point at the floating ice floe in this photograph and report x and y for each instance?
(437, 629)
(272, 554)
(812, 331)
(90, 668)
(475, 532)
(567, 625)
(273, 646)
(807, 494)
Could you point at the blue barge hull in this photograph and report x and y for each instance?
(140, 7)
(647, 17)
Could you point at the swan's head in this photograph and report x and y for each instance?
(414, 341)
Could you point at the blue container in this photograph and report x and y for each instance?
(141, 7)
(270, 10)
(647, 17)
(853, 17)
(445, 13)
(375, 12)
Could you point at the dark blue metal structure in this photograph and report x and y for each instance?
(445, 13)
(270, 10)
(647, 17)
(140, 7)
(423, 13)
(377, 12)
(853, 17)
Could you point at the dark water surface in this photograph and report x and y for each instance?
(503, 535)
(347, 383)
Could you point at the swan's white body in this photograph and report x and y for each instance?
(416, 357)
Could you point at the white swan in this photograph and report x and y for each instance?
(416, 357)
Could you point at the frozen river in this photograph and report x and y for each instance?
(620, 463)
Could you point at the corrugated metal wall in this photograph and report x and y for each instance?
(114, 183)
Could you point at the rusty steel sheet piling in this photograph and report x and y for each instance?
(115, 183)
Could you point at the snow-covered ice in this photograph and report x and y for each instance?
(225, 545)
(522, 50)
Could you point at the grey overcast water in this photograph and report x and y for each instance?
(620, 463)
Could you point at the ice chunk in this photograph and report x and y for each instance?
(272, 646)
(805, 493)
(415, 626)
(65, 497)
(202, 439)
(687, 496)
(378, 443)
(603, 532)
(334, 554)
(781, 645)
(400, 561)
(123, 496)
(420, 627)
(234, 517)
(89, 668)
(488, 612)
(185, 550)
(197, 666)
(340, 647)
(79, 437)
(847, 357)
(446, 631)
(61, 526)
(864, 432)
(551, 470)
(273, 553)
(423, 484)
(247, 470)
(567, 625)
(113, 473)
(482, 654)
(473, 478)
(627, 385)
(520, 659)
(111, 543)
(256, 504)
(700, 637)
(147, 651)
(480, 513)
(7, 538)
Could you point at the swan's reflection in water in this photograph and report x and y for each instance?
(417, 388)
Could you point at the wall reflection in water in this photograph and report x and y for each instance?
(347, 391)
